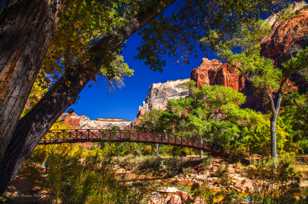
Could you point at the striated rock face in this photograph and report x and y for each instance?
(213, 72)
(286, 39)
(75, 121)
(161, 93)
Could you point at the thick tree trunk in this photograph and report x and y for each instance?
(37, 122)
(25, 30)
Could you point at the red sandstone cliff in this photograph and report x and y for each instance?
(286, 38)
(213, 72)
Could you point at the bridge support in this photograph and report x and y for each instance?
(157, 150)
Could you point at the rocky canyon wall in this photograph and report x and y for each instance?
(160, 93)
(210, 72)
(82, 122)
(286, 38)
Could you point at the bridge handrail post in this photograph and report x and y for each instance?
(135, 133)
(161, 138)
(102, 133)
(63, 133)
(110, 134)
(75, 131)
(88, 134)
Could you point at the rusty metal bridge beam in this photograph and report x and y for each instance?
(94, 135)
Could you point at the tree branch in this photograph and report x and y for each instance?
(272, 103)
(64, 92)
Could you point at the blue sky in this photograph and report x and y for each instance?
(99, 99)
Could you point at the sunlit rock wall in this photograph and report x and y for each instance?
(213, 72)
(161, 93)
(82, 122)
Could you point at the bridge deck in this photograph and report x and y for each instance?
(106, 135)
(103, 135)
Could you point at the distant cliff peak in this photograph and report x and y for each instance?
(161, 93)
(82, 122)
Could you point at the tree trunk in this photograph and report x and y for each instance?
(274, 117)
(274, 136)
(25, 30)
(157, 150)
(37, 122)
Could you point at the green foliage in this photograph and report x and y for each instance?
(297, 64)
(214, 113)
(178, 34)
(151, 121)
(78, 174)
(279, 185)
(258, 69)
(262, 72)
(294, 116)
(264, 75)
(89, 181)
(247, 37)
(286, 13)
(225, 196)
(39, 88)
(80, 24)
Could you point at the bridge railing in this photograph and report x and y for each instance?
(96, 135)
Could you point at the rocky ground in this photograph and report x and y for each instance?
(161, 179)
(165, 182)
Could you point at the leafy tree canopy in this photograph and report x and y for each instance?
(179, 34)
(214, 113)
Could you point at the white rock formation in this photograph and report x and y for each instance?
(161, 93)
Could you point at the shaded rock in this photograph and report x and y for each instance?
(286, 38)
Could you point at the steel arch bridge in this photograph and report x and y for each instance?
(68, 136)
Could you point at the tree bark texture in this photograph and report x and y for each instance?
(275, 107)
(25, 30)
(37, 122)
